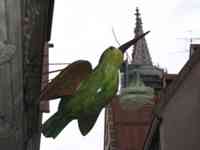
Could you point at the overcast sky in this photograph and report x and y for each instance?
(83, 30)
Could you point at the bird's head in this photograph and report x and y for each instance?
(112, 55)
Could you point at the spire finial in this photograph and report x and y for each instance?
(137, 13)
(140, 53)
(138, 22)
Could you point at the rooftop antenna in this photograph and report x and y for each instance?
(190, 40)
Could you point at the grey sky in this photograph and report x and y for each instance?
(83, 29)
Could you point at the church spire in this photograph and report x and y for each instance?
(140, 53)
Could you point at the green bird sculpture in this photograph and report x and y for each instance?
(91, 94)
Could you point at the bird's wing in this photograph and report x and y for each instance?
(67, 81)
(86, 122)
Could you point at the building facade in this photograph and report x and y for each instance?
(176, 119)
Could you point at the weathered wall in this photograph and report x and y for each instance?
(11, 89)
(180, 125)
(24, 29)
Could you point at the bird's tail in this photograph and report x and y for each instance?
(54, 125)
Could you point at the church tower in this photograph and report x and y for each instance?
(125, 126)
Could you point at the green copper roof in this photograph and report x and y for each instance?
(136, 94)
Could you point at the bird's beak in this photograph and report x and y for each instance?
(128, 44)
